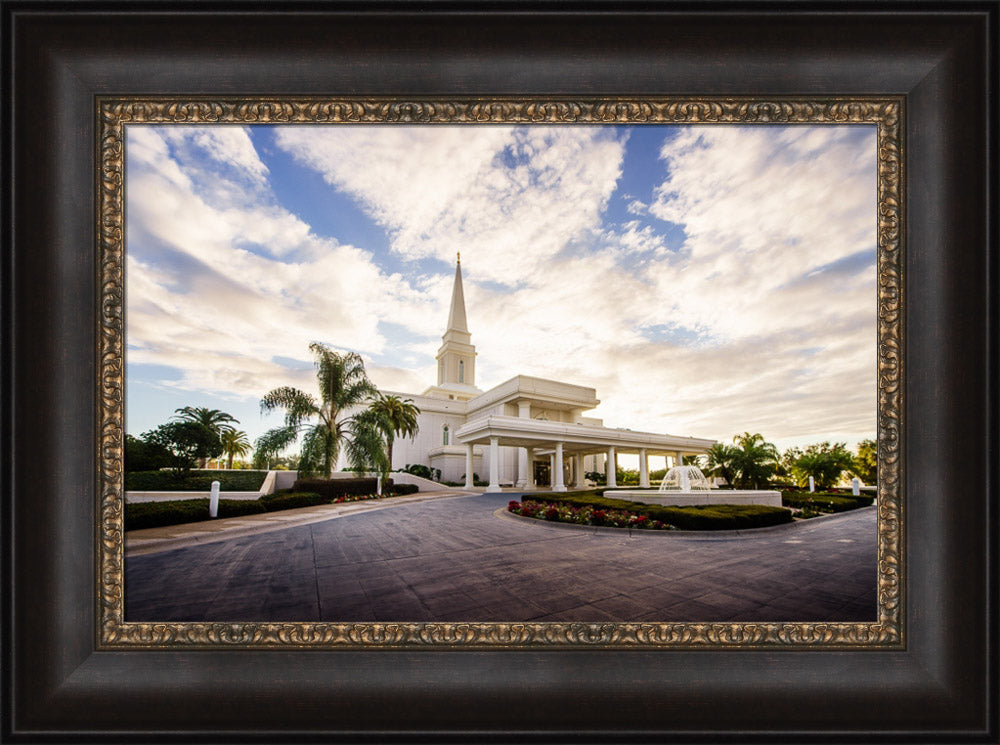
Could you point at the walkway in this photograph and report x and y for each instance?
(456, 559)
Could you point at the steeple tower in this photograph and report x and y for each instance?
(457, 356)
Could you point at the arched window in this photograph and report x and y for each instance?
(461, 371)
(444, 435)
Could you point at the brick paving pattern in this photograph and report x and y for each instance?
(454, 559)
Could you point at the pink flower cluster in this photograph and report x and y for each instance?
(585, 515)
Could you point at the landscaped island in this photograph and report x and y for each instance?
(591, 507)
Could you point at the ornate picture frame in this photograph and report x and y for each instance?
(885, 113)
(71, 670)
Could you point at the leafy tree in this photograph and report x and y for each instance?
(187, 443)
(786, 468)
(327, 424)
(756, 461)
(721, 460)
(215, 420)
(866, 461)
(234, 442)
(398, 417)
(824, 462)
(145, 456)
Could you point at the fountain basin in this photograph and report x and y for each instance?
(675, 498)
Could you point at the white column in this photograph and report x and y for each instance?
(522, 468)
(469, 483)
(552, 471)
(557, 482)
(643, 470)
(494, 465)
(612, 468)
(579, 472)
(680, 458)
(530, 474)
(523, 462)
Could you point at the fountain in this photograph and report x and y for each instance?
(686, 485)
(684, 478)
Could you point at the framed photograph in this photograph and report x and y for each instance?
(176, 168)
(260, 132)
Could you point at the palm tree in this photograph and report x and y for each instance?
(234, 443)
(721, 461)
(756, 461)
(398, 417)
(343, 387)
(216, 421)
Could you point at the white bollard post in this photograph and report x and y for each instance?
(378, 484)
(856, 486)
(812, 484)
(213, 500)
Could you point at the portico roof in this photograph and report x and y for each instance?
(536, 433)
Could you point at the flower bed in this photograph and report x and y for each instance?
(586, 515)
(576, 509)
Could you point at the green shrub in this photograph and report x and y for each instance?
(157, 514)
(290, 500)
(823, 501)
(701, 517)
(333, 488)
(399, 490)
(194, 481)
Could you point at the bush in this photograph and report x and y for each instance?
(399, 490)
(823, 501)
(194, 481)
(291, 500)
(157, 514)
(701, 517)
(333, 488)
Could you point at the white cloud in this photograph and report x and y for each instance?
(763, 320)
(512, 197)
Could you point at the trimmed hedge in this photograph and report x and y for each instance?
(399, 490)
(200, 480)
(157, 514)
(291, 500)
(700, 517)
(824, 501)
(333, 488)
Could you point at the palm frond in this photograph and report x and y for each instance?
(298, 405)
(365, 448)
(273, 442)
(319, 451)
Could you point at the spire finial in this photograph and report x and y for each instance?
(459, 255)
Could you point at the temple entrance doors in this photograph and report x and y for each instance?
(543, 473)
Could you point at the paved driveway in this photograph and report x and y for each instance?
(454, 559)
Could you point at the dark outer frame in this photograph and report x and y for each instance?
(58, 57)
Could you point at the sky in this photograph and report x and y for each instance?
(707, 280)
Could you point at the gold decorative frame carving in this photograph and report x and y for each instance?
(113, 114)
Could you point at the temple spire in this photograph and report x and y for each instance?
(456, 316)
(457, 356)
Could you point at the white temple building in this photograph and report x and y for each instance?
(525, 432)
